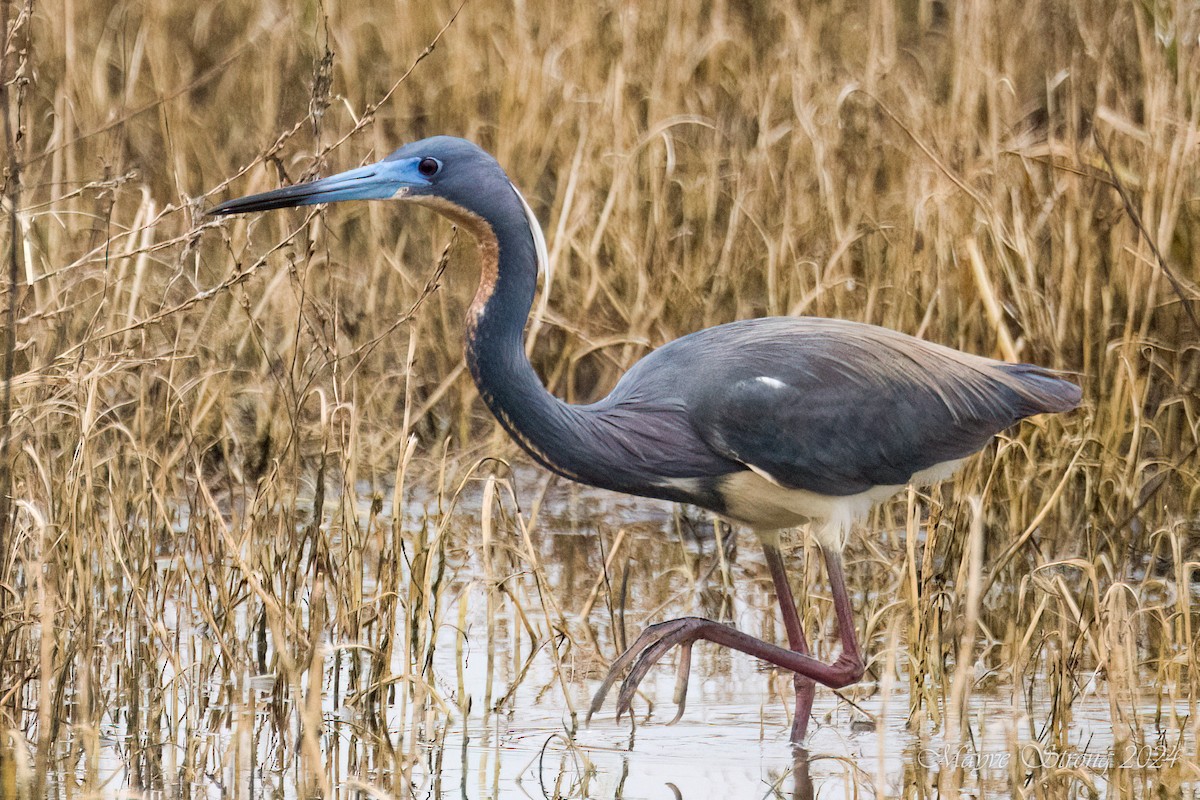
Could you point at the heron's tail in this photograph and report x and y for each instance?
(1042, 391)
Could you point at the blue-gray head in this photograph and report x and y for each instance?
(453, 176)
(447, 173)
(461, 181)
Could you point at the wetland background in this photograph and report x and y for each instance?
(261, 539)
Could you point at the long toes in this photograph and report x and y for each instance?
(649, 637)
(645, 661)
(602, 692)
(682, 673)
(656, 639)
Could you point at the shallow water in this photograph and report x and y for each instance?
(538, 662)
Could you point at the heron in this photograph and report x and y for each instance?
(770, 423)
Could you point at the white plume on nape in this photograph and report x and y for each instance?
(544, 268)
(539, 238)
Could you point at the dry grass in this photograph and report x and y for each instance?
(193, 560)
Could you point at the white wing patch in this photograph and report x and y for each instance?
(774, 383)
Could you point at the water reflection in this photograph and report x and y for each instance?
(457, 653)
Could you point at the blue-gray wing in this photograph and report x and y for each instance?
(837, 408)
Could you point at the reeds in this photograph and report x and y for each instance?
(243, 551)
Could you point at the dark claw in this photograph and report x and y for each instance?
(645, 661)
(681, 680)
(651, 646)
(650, 656)
(648, 637)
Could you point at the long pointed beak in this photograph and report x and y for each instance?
(381, 181)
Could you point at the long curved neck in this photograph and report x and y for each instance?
(547, 428)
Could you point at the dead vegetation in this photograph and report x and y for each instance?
(247, 500)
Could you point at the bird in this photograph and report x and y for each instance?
(770, 423)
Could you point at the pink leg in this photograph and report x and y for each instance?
(805, 687)
(845, 614)
(658, 639)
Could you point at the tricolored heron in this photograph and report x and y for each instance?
(770, 422)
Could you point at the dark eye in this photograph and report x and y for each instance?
(429, 167)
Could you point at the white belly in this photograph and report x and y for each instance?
(754, 499)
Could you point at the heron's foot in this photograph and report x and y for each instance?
(656, 640)
(644, 653)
